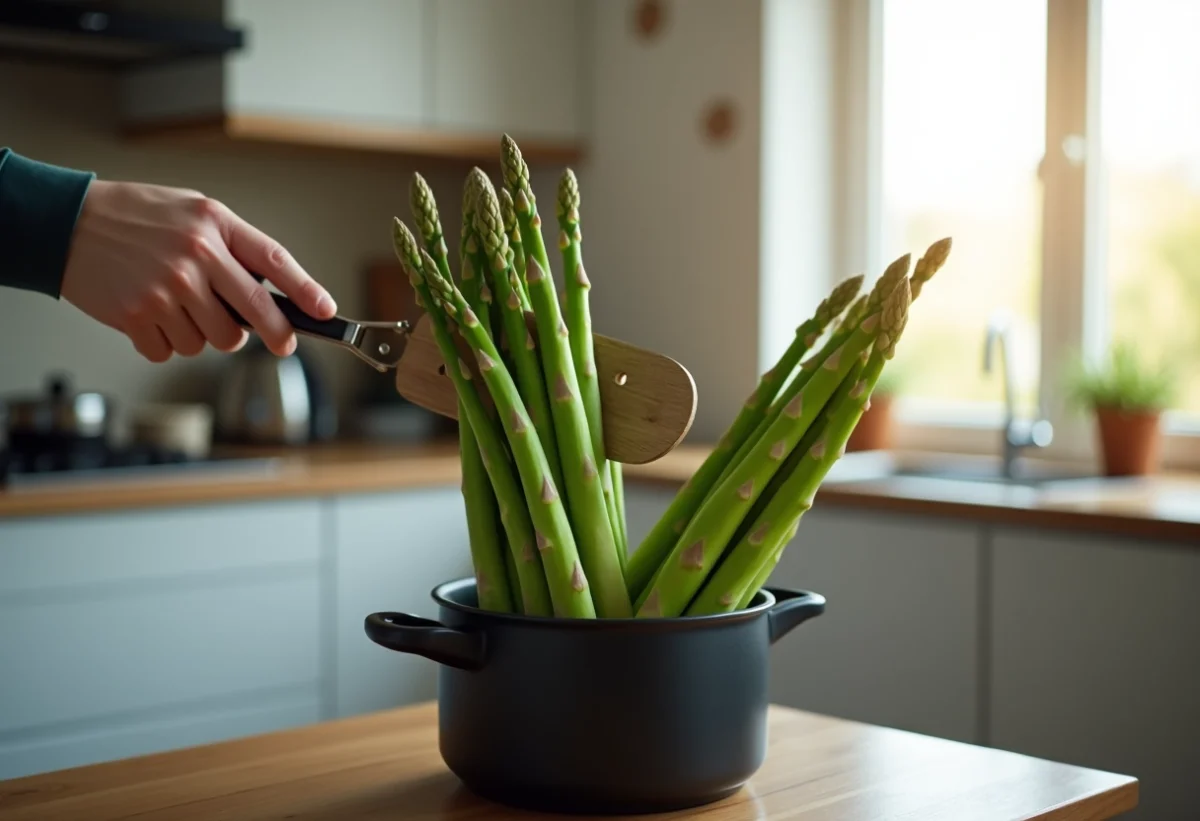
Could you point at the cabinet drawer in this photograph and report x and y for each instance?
(131, 546)
(65, 660)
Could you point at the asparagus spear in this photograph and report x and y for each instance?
(707, 535)
(775, 526)
(528, 369)
(618, 486)
(579, 327)
(926, 267)
(515, 518)
(508, 216)
(929, 264)
(646, 560)
(564, 572)
(761, 579)
(885, 285)
(483, 523)
(585, 493)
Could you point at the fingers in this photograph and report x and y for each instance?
(253, 301)
(149, 341)
(270, 260)
(181, 333)
(214, 322)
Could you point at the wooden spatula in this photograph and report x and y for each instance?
(648, 400)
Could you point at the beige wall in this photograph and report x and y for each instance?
(670, 221)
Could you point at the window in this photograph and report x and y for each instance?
(964, 101)
(1058, 142)
(1150, 138)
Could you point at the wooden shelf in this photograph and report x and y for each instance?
(246, 129)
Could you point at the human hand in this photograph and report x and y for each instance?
(150, 261)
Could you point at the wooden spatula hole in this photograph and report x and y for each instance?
(442, 369)
(620, 378)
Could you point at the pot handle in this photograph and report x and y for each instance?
(791, 609)
(424, 637)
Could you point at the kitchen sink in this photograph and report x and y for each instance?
(1028, 473)
(1022, 476)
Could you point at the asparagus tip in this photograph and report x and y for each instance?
(508, 212)
(893, 318)
(516, 171)
(489, 224)
(930, 263)
(888, 281)
(568, 197)
(841, 296)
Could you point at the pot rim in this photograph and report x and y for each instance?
(440, 595)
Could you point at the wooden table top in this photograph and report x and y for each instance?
(386, 766)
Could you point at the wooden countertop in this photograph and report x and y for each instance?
(1161, 507)
(386, 766)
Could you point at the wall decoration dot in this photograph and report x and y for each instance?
(719, 122)
(648, 18)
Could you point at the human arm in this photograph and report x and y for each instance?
(147, 260)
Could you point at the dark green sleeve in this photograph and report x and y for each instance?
(39, 204)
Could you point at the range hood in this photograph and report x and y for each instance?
(106, 34)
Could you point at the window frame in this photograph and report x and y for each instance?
(1072, 288)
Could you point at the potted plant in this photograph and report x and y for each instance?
(874, 429)
(1127, 397)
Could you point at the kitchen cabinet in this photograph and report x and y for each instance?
(424, 77)
(1093, 659)
(514, 65)
(132, 632)
(898, 643)
(359, 61)
(392, 549)
(644, 506)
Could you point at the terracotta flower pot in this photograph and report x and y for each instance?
(1130, 441)
(874, 429)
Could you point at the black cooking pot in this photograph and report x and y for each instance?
(599, 715)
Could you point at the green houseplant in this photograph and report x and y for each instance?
(1127, 397)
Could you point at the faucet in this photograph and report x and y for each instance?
(1017, 435)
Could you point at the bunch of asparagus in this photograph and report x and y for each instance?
(544, 506)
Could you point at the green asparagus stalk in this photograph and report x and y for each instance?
(579, 327)
(584, 490)
(483, 523)
(761, 579)
(707, 535)
(514, 516)
(886, 284)
(929, 264)
(645, 561)
(564, 572)
(776, 525)
(508, 216)
(531, 385)
(618, 486)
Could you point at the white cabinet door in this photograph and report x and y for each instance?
(898, 642)
(1096, 660)
(352, 61)
(393, 549)
(138, 631)
(509, 65)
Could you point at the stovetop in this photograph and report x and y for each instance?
(24, 468)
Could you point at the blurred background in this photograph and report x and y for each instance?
(1030, 463)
